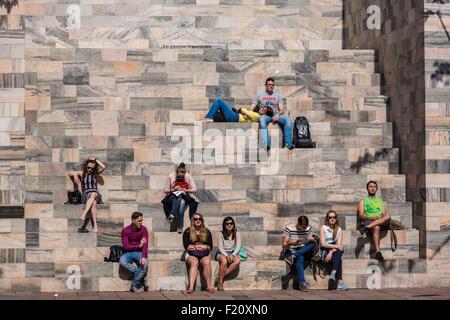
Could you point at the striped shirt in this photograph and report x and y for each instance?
(292, 233)
(89, 183)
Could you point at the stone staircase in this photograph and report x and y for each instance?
(109, 90)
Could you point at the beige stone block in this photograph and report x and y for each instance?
(53, 240)
(114, 54)
(322, 168)
(12, 270)
(122, 210)
(113, 284)
(437, 209)
(5, 285)
(299, 182)
(327, 181)
(39, 255)
(147, 155)
(38, 210)
(12, 240)
(158, 182)
(165, 55)
(218, 182)
(65, 155)
(155, 129)
(195, 103)
(52, 116)
(206, 79)
(6, 65)
(53, 225)
(5, 226)
(78, 255)
(115, 103)
(438, 180)
(127, 68)
(100, 118)
(438, 152)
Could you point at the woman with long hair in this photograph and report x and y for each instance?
(197, 241)
(179, 189)
(87, 179)
(331, 239)
(229, 245)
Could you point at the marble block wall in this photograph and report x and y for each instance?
(120, 82)
(12, 147)
(414, 50)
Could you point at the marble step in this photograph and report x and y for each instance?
(259, 274)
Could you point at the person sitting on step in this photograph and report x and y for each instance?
(372, 214)
(273, 100)
(135, 246)
(197, 241)
(179, 189)
(229, 245)
(298, 245)
(331, 250)
(88, 179)
(237, 114)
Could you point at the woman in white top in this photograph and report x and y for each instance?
(331, 239)
(229, 244)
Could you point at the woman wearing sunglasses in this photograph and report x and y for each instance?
(229, 245)
(331, 239)
(197, 241)
(88, 179)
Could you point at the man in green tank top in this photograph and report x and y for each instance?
(373, 215)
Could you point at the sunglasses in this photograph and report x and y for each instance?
(331, 217)
(229, 224)
(197, 219)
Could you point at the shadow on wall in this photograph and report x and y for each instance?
(8, 4)
(368, 159)
(443, 244)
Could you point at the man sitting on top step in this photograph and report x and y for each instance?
(373, 215)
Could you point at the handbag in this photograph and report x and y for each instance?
(243, 254)
(198, 253)
(115, 252)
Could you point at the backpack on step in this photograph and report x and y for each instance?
(115, 252)
(302, 133)
(74, 197)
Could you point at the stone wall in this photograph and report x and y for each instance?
(413, 51)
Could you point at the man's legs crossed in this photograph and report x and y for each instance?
(300, 255)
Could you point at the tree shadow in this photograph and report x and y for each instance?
(8, 4)
(368, 159)
(443, 244)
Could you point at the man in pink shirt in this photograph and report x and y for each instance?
(135, 246)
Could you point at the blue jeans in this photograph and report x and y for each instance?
(139, 271)
(302, 254)
(284, 120)
(228, 114)
(178, 209)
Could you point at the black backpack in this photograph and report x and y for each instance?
(115, 252)
(302, 133)
(74, 197)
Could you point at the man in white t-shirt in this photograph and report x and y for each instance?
(269, 98)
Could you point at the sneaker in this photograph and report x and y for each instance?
(146, 285)
(170, 218)
(303, 287)
(268, 148)
(207, 120)
(180, 229)
(379, 256)
(332, 284)
(342, 287)
(289, 146)
(134, 289)
(83, 230)
(289, 260)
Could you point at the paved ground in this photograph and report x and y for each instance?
(364, 294)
